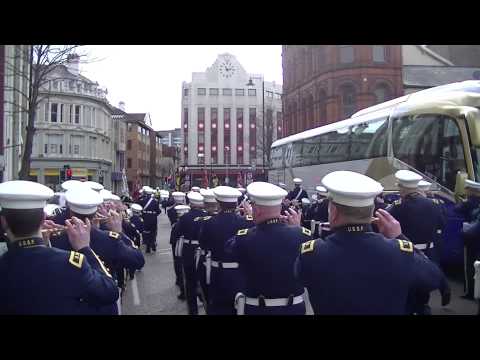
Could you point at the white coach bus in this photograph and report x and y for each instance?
(434, 132)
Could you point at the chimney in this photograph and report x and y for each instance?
(73, 64)
(121, 105)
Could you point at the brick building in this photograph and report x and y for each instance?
(327, 83)
(143, 152)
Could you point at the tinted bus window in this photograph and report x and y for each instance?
(369, 140)
(276, 158)
(431, 144)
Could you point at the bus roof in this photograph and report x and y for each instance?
(384, 109)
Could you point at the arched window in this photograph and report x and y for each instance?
(382, 93)
(349, 100)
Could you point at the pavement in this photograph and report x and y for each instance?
(153, 291)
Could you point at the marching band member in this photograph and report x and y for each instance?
(298, 193)
(53, 281)
(109, 245)
(266, 254)
(172, 213)
(357, 271)
(176, 249)
(150, 212)
(222, 274)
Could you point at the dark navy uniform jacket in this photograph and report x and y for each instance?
(172, 215)
(420, 219)
(357, 271)
(150, 213)
(133, 228)
(267, 254)
(110, 246)
(187, 226)
(36, 279)
(469, 209)
(293, 194)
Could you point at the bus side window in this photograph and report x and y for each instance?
(369, 140)
(431, 144)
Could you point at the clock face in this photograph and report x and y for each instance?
(227, 69)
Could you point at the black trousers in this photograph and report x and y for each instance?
(190, 278)
(149, 238)
(177, 267)
(469, 282)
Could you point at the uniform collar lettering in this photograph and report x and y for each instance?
(271, 221)
(356, 228)
(25, 243)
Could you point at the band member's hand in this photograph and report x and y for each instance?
(78, 233)
(114, 222)
(247, 208)
(387, 224)
(291, 217)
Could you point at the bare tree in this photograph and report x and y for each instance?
(43, 60)
(265, 137)
(166, 166)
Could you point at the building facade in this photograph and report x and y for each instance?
(73, 128)
(171, 137)
(14, 89)
(119, 119)
(228, 118)
(138, 151)
(328, 83)
(155, 157)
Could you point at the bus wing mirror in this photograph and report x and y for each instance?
(460, 184)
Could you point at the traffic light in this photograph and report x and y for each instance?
(69, 174)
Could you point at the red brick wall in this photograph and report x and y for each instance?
(2, 90)
(312, 88)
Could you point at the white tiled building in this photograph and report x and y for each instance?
(223, 119)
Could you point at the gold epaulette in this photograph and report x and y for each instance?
(308, 246)
(114, 235)
(405, 245)
(242, 232)
(397, 202)
(76, 259)
(305, 231)
(249, 217)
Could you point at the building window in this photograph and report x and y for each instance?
(201, 91)
(213, 91)
(70, 113)
(129, 127)
(321, 57)
(129, 144)
(129, 162)
(252, 92)
(346, 54)
(227, 92)
(77, 114)
(379, 53)
(45, 149)
(185, 92)
(53, 114)
(60, 149)
(382, 93)
(239, 92)
(349, 100)
(46, 111)
(53, 148)
(201, 115)
(76, 149)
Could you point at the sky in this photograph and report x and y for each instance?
(148, 78)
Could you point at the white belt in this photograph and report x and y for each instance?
(476, 277)
(225, 265)
(274, 302)
(423, 246)
(192, 242)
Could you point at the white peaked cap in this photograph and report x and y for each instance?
(136, 207)
(472, 184)
(106, 195)
(351, 189)
(182, 209)
(49, 209)
(83, 201)
(20, 194)
(177, 195)
(408, 179)
(265, 194)
(297, 181)
(195, 198)
(94, 185)
(115, 197)
(305, 201)
(208, 195)
(70, 184)
(226, 194)
(148, 190)
(282, 185)
(424, 185)
(195, 188)
(242, 190)
(321, 189)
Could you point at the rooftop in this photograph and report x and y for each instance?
(430, 76)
